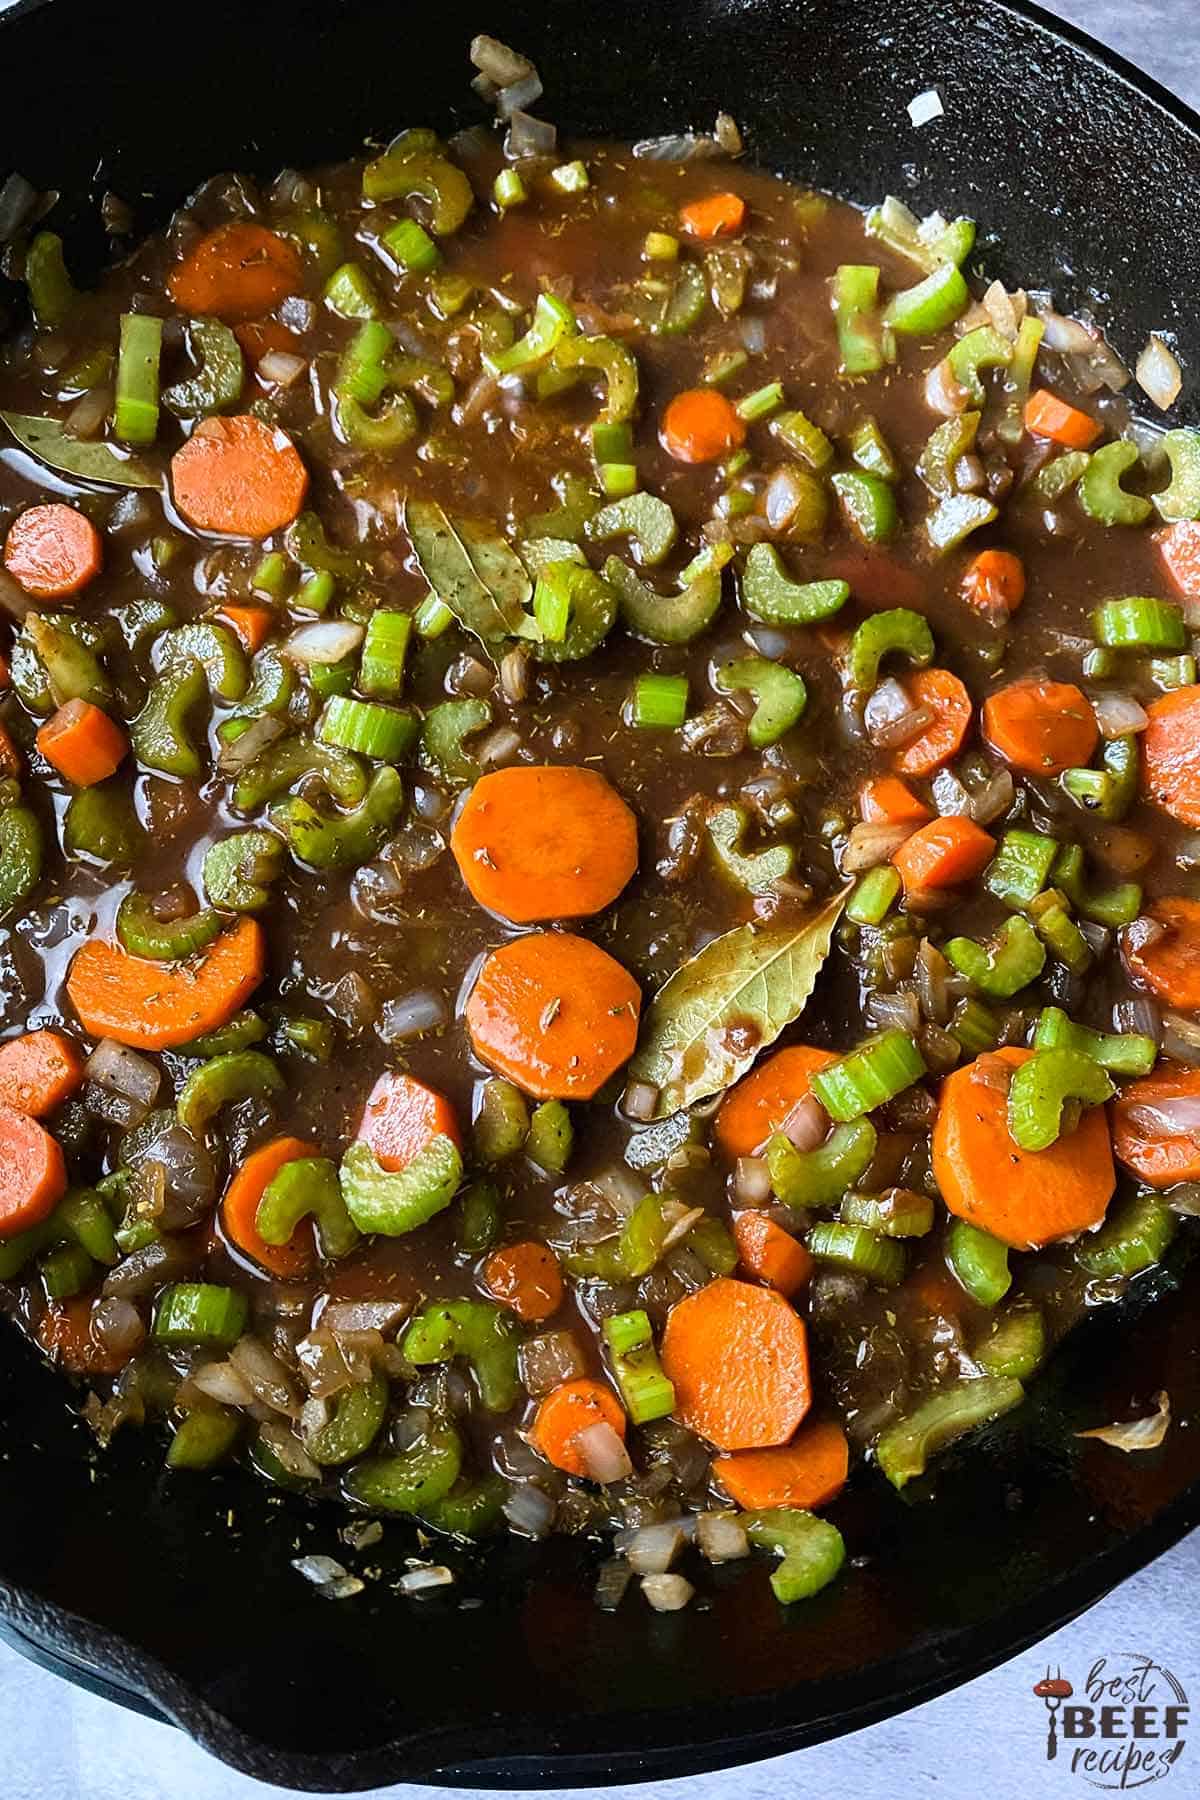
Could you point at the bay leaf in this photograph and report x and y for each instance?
(709, 1021)
(52, 444)
(472, 571)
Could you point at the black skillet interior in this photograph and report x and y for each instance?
(181, 1591)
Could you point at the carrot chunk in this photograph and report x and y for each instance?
(1171, 755)
(525, 1277)
(65, 1333)
(701, 426)
(1026, 1198)
(771, 1253)
(1170, 965)
(1042, 727)
(944, 853)
(555, 1014)
(762, 1100)
(1179, 552)
(808, 1472)
(251, 624)
(565, 1412)
(950, 703)
(83, 743)
(236, 272)
(717, 215)
(402, 1117)
(239, 476)
(738, 1356)
(544, 843)
(33, 1176)
(53, 551)
(239, 1211)
(153, 1005)
(38, 1071)
(1160, 1159)
(886, 800)
(995, 582)
(1049, 417)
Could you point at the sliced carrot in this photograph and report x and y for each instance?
(53, 551)
(944, 853)
(1042, 727)
(65, 1333)
(886, 800)
(83, 743)
(1171, 755)
(544, 843)
(717, 215)
(251, 624)
(236, 272)
(1169, 965)
(554, 1013)
(10, 757)
(1026, 1198)
(1158, 1161)
(568, 1410)
(33, 1176)
(38, 1071)
(771, 1253)
(402, 1116)
(525, 1277)
(762, 1100)
(258, 336)
(239, 476)
(1049, 417)
(153, 1005)
(950, 703)
(1179, 551)
(738, 1357)
(701, 426)
(239, 1211)
(995, 582)
(808, 1472)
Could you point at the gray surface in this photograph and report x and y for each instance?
(987, 1738)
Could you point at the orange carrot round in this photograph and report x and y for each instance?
(33, 1176)
(83, 743)
(762, 1100)
(808, 1472)
(544, 843)
(236, 272)
(38, 1071)
(1049, 417)
(701, 426)
(53, 551)
(1179, 551)
(239, 1211)
(565, 1412)
(555, 1014)
(402, 1116)
(153, 1005)
(950, 703)
(995, 582)
(1158, 1161)
(525, 1277)
(239, 476)
(717, 215)
(738, 1357)
(1169, 965)
(251, 624)
(944, 853)
(1171, 755)
(771, 1254)
(1026, 1198)
(1042, 727)
(886, 800)
(65, 1333)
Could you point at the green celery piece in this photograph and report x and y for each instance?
(664, 618)
(550, 1138)
(814, 1178)
(647, 520)
(239, 871)
(293, 759)
(896, 1213)
(239, 1075)
(979, 1262)
(358, 1415)
(1014, 958)
(780, 696)
(477, 1330)
(143, 933)
(160, 734)
(100, 827)
(1131, 1239)
(204, 1437)
(756, 872)
(896, 632)
(501, 1123)
(869, 505)
(409, 1481)
(870, 1076)
(812, 1549)
(904, 1449)
(1180, 499)
(769, 594)
(393, 1204)
(470, 1509)
(1100, 492)
(52, 295)
(614, 362)
(307, 1189)
(346, 840)
(21, 855)
(1127, 1054)
(1041, 1087)
(859, 1250)
(861, 339)
(217, 383)
(983, 348)
(446, 727)
(1015, 1343)
(931, 305)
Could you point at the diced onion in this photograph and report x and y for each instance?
(993, 799)
(86, 418)
(529, 1510)
(280, 368)
(549, 1360)
(933, 982)
(265, 1376)
(514, 676)
(411, 1015)
(222, 1382)
(614, 1577)
(468, 675)
(753, 332)
(1001, 309)
(327, 641)
(1138, 1016)
(640, 1101)
(806, 1124)
(498, 62)
(1158, 373)
(686, 146)
(319, 1569)
(667, 1593)
(118, 1326)
(874, 842)
(728, 134)
(425, 1578)
(1181, 1038)
(1184, 1198)
(785, 494)
(18, 202)
(497, 747)
(891, 718)
(944, 393)
(651, 1549)
(115, 1066)
(1117, 714)
(1176, 1115)
(519, 95)
(244, 749)
(721, 1538)
(528, 136)
(751, 1181)
(279, 1438)
(895, 1012)
(603, 1451)
(924, 107)
(384, 1316)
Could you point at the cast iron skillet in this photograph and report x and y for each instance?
(178, 1594)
